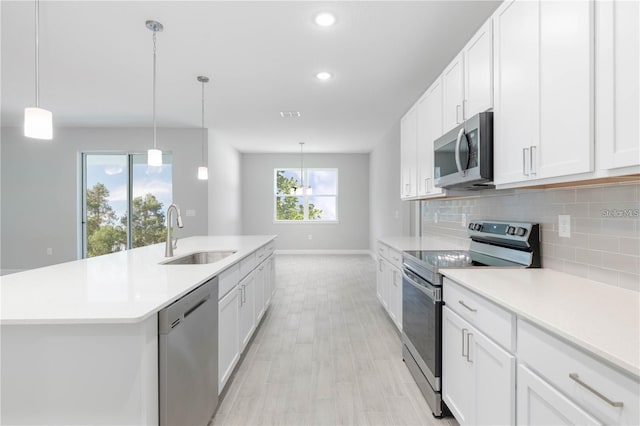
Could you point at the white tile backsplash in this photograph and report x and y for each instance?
(605, 226)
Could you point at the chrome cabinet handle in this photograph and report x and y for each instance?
(576, 378)
(524, 161)
(532, 164)
(464, 331)
(467, 306)
(469, 347)
(407, 189)
(464, 109)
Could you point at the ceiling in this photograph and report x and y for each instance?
(262, 57)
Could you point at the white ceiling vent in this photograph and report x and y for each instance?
(290, 114)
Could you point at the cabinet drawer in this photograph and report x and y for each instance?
(383, 250)
(580, 376)
(495, 322)
(395, 257)
(228, 279)
(247, 264)
(261, 255)
(270, 248)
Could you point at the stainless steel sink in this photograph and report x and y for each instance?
(199, 258)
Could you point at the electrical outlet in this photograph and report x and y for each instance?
(396, 214)
(463, 222)
(49, 251)
(564, 226)
(310, 237)
(435, 217)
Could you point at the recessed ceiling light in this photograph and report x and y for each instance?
(289, 114)
(324, 75)
(325, 19)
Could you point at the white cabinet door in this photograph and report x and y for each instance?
(618, 83)
(457, 371)
(247, 309)
(540, 404)
(259, 284)
(395, 296)
(429, 110)
(516, 102)
(478, 375)
(453, 94)
(494, 381)
(381, 281)
(268, 281)
(478, 72)
(566, 66)
(408, 147)
(228, 336)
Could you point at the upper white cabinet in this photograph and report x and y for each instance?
(618, 83)
(429, 109)
(408, 147)
(543, 82)
(478, 72)
(453, 94)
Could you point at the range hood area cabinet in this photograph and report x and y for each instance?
(464, 88)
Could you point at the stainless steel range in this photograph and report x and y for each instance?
(493, 244)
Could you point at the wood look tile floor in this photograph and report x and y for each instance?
(325, 354)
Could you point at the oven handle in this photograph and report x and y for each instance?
(433, 294)
(463, 173)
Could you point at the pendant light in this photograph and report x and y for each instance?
(38, 122)
(154, 156)
(301, 189)
(203, 172)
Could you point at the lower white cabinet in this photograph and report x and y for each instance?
(247, 289)
(260, 282)
(389, 283)
(541, 404)
(478, 375)
(228, 336)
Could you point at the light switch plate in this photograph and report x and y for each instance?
(190, 212)
(564, 226)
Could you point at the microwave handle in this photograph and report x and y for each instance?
(463, 173)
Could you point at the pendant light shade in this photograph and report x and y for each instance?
(38, 122)
(154, 156)
(203, 172)
(301, 190)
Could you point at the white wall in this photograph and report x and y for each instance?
(41, 179)
(352, 231)
(389, 216)
(225, 216)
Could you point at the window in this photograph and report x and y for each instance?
(315, 201)
(123, 202)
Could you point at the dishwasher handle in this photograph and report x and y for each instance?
(175, 314)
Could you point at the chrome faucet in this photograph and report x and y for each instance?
(171, 244)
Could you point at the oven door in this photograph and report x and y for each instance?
(422, 324)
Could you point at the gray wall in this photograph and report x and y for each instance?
(225, 216)
(41, 180)
(352, 231)
(601, 247)
(388, 215)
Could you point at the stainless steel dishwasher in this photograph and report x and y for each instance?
(188, 358)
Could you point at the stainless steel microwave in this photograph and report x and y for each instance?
(463, 157)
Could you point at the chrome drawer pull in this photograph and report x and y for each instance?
(467, 306)
(464, 331)
(469, 347)
(576, 378)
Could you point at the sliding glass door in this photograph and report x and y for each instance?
(123, 202)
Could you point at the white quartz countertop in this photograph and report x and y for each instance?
(123, 287)
(426, 243)
(599, 318)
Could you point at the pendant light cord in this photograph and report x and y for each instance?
(301, 165)
(37, 54)
(203, 122)
(154, 89)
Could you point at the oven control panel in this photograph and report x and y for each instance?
(503, 230)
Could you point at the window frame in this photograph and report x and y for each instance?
(305, 196)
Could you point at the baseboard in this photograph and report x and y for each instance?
(10, 271)
(366, 252)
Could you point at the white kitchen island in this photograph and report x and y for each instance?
(79, 340)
